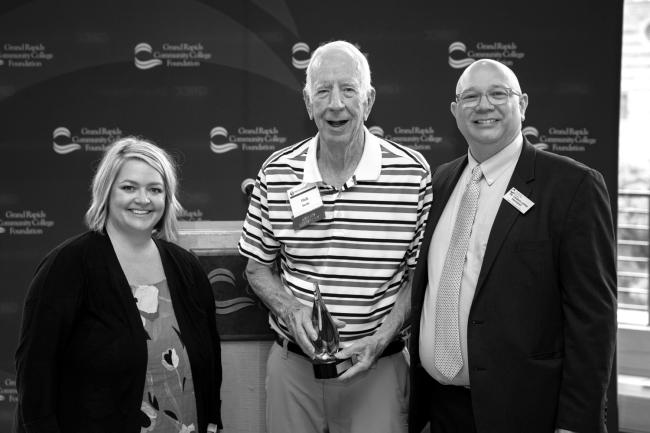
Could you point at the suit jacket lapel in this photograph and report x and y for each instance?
(521, 179)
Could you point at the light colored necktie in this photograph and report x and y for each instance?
(447, 356)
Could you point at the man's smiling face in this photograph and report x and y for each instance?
(488, 128)
(337, 104)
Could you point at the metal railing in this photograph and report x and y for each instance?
(634, 251)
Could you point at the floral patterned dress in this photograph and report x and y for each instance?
(168, 403)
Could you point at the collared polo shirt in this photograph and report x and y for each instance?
(361, 251)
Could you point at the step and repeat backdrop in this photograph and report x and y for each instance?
(218, 84)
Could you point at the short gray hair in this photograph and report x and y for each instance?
(363, 68)
(114, 157)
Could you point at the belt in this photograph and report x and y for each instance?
(393, 347)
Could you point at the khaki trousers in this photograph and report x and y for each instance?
(296, 402)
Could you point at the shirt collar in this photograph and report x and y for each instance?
(369, 167)
(497, 164)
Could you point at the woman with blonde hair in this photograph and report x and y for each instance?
(119, 331)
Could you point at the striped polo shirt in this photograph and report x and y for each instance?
(361, 251)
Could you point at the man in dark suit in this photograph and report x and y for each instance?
(514, 295)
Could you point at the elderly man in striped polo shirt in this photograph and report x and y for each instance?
(346, 210)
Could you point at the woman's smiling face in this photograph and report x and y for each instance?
(137, 198)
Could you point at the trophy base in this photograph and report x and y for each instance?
(332, 369)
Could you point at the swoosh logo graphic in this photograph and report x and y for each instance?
(220, 131)
(457, 46)
(299, 47)
(61, 131)
(147, 64)
(144, 47)
(376, 130)
(232, 305)
(223, 148)
(531, 131)
(461, 63)
(221, 275)
(63, 149)
(66, 148)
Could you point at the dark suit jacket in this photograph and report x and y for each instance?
(82, 357)
(542, 324)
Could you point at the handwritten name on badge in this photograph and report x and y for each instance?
(306, 205)
(518, 200)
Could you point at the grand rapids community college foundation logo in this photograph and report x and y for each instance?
(257, 138)
(173, 55)
(414, 137)
(560, 140)
(88, 139)
(24, 222)
(24, 55)
(505, 52)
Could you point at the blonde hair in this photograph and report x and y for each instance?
(114, 157)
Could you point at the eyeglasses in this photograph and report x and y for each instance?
(495, 96)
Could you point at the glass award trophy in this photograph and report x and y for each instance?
(326, 365)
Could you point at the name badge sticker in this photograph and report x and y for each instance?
(306, 205)
(518, 200)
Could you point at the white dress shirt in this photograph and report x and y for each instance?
(497, 172)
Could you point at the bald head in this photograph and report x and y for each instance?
(491, 108)
(507, 75)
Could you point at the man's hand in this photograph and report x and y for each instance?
(364, 353)
(267, 285)
(298, 318)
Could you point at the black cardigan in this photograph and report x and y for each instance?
(82, 357)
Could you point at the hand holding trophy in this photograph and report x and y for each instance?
(326, 365)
